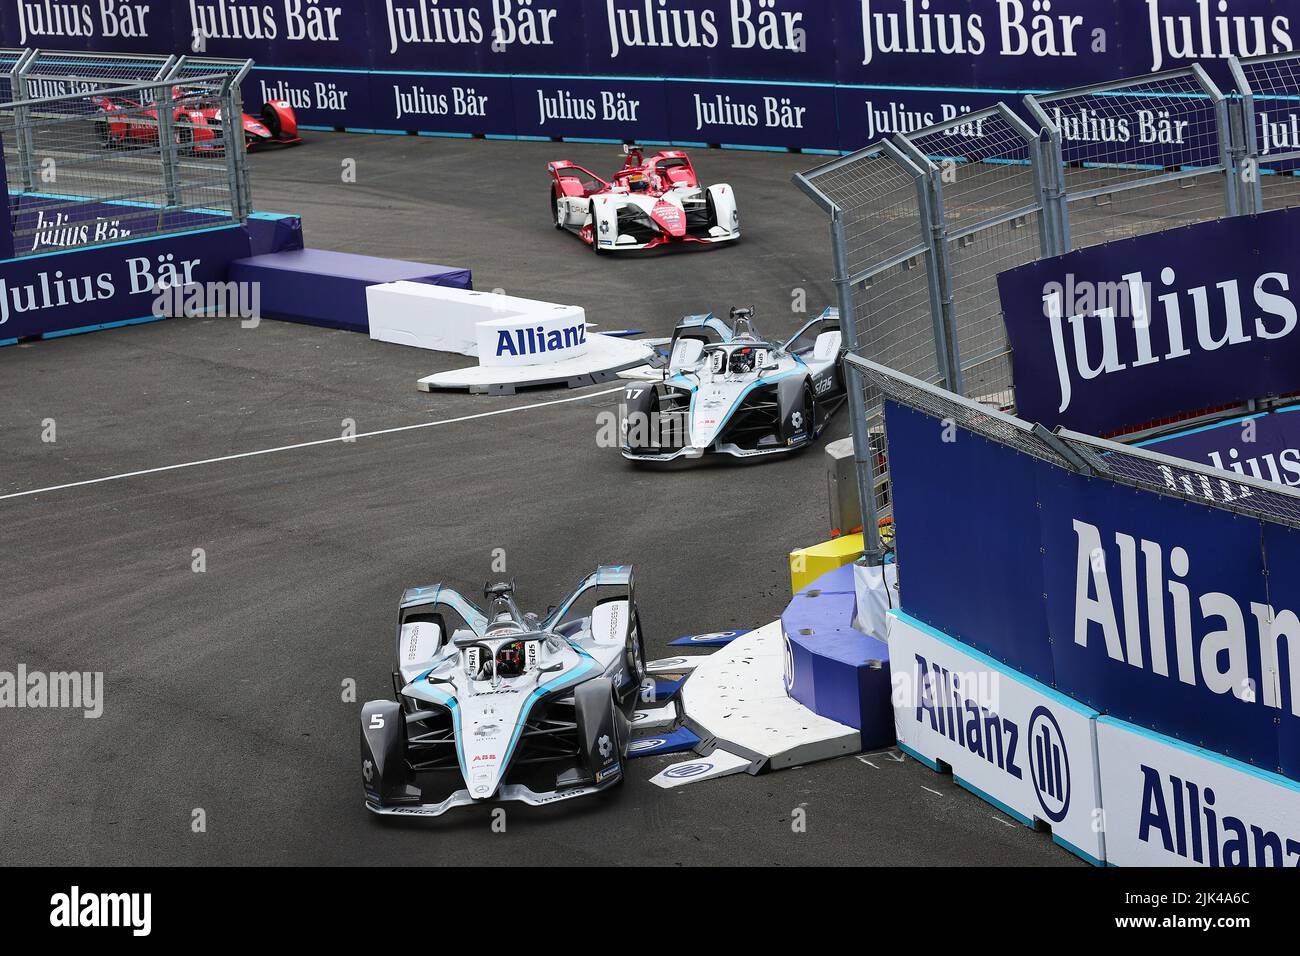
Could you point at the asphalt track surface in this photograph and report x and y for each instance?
(224, 689)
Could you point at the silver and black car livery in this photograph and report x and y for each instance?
(727, 390)
(502, 705)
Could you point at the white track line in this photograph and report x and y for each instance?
(306, 444)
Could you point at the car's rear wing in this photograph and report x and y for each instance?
(434, 597)
(614, 578)
(830, 319)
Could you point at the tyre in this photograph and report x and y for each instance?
(809, 415)
(556, 216)
(271, 120)
(595, 231)
(104, 134)
(634, 656)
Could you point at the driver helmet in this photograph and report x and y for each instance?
(742, 361)
(510, 659)
(637, 182)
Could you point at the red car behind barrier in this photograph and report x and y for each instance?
(124, 122)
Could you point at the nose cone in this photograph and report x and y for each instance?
(483, 781)
(484, 741)
(669, 217)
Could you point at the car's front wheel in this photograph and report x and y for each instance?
(271, 120)
(557, 211)
(809, 415)
(595, 231)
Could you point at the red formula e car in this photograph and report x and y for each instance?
(198, 124)
(648, 203)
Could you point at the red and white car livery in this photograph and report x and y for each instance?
(197, 123)
(650, 202)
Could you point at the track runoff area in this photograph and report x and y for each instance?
(220, 520)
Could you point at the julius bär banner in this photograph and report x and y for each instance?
(1264, 446)
(890, 62)
(1141, 329)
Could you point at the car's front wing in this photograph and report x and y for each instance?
(506, 793)
(725, 448)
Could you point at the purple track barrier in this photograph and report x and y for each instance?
(834, 669)
(274, 232)
(329, 288)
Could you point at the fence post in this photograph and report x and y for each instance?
(165, 109)
(23, 120)
(1052, 157)
(6, 217)
(241, 164)
(1223, 134)
(235, 155)
(1044, 177)
(935, 236)
(1252, 191)
(864, 458)
(1228, 154)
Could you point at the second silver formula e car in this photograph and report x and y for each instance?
(502, 705)
(728, 390)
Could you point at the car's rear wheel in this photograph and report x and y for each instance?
(634, 655)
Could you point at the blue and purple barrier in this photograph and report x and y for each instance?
(111, 284)
(832, 668)
(105, 286)
(328, 289)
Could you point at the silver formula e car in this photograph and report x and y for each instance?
(728, 390)
(502, 705)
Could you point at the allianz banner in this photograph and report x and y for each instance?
(1147, 608)
(1142, 329)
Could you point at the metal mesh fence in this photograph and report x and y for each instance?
(101, 146)
(1126, 149)
(975, 259)
(985, 167)
(989, 200)
(932, 217)
(887, 261)
(1270, 87)
(122, 162)
(1135, 467)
